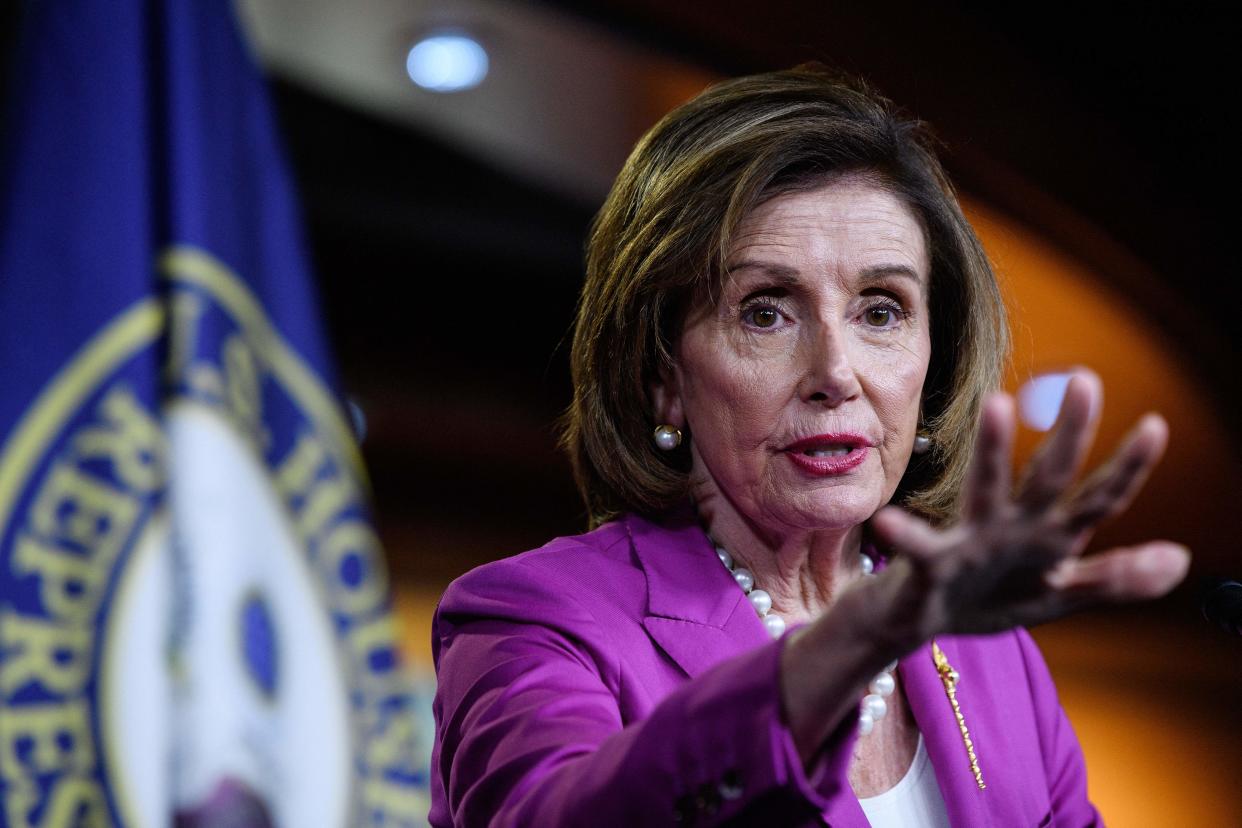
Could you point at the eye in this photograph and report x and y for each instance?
(763, 316)
(879, 316)
(883, 315)
(766, 309)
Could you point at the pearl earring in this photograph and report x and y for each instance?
(921, 443)
(667, 437)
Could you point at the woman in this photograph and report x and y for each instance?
(787, 325)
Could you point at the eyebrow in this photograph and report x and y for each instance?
(878, 273)
(782, 274)
(785, 275)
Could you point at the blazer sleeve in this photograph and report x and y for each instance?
(529, 730)
(1064, 767)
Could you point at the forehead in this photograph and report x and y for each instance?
(835, 228)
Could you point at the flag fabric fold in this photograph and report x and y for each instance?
(195, 620)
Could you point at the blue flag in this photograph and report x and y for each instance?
(195, 619)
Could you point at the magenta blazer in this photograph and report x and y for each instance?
(621, 678)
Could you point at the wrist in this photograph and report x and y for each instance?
(887, 612)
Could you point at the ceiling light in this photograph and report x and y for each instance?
(447, 62)
(1039, 400)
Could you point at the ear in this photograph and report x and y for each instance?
(666, 398)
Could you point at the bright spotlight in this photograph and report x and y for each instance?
(1039, 400)
(447, 63)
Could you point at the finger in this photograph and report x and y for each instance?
(1060, 456)
(1113, 486)
(1126, 574)
(899, 531)
(990, 476)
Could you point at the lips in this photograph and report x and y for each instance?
(829, 454)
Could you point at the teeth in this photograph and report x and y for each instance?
(837, 451)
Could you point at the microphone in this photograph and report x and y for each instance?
(1222, 605)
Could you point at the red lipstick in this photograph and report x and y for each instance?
(829, 454)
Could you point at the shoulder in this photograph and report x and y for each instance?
(563, 572)
(581, 597)
(558, 556)
(593, 585)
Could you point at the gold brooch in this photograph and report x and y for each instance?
(949, 677)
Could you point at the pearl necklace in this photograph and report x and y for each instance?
(874, 706)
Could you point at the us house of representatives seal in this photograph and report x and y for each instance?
(194, 613)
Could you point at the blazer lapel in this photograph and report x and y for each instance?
(695, 611)
(964, 801)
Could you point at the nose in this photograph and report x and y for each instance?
(828, 373)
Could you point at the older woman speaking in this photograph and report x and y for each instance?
(800, 601)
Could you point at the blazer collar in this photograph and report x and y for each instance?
(695, 611)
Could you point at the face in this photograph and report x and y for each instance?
(800, 385)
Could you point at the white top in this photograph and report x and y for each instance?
(914, 801)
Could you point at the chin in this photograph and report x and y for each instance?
(835, 508)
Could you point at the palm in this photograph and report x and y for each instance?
(1015, 557)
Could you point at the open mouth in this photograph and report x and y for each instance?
(828, 445)
(837, 450)
(829, 454)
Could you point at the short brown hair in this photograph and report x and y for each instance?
(661, 238)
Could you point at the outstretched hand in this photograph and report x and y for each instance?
(1015, 558)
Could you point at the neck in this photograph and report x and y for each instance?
(804, 571)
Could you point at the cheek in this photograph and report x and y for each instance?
(729, 400)
(899, 390)
(736, 404)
